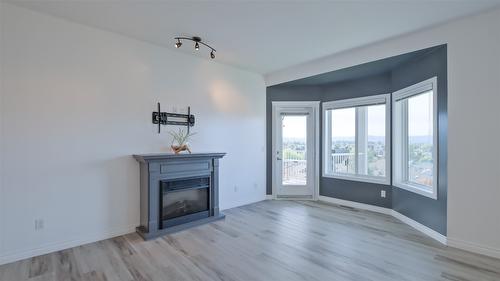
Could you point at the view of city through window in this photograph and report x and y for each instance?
(375, 144)
(420, 138)
(343, 140)
(370, 131)
(294, 151)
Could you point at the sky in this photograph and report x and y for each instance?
(344, 121)
(420, 115)
(294, 126)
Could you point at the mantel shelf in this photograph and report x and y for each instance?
(166, 156)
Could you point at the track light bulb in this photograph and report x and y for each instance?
(178, 44)
(212, 55)
(196, 46)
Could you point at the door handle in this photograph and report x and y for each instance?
(277, 158)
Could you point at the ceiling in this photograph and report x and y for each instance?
(262, 36)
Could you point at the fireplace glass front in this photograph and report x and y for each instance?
(184, 200)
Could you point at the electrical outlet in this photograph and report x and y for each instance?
(39, 224)
(235, 188)
(382, 193)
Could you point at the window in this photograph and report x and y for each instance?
(415, 138)
(357, 133)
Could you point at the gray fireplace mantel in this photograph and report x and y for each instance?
(158, 167)
(144, 158)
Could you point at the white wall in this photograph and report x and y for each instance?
(473, 118)
(77, 104)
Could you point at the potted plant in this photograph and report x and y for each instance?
(180, 141)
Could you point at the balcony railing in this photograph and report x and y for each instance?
(295, 168)
(343, 163)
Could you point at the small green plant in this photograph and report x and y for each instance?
(181, 137)
(180, 141)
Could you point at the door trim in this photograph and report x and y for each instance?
(316, 163)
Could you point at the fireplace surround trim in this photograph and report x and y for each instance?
(159, 167)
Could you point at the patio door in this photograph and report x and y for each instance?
(294, 150)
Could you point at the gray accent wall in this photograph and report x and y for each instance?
(379, 77)
(427, 211)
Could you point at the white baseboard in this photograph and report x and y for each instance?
(269, 197)
(418, 226)
(58, 246)
(475, 248)
(356, 205)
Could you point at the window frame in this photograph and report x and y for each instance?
(400, 149)
(357, 102)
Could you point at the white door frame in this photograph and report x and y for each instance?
(278, 105)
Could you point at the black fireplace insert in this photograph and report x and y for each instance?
(184, 200)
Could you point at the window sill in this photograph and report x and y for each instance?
(384, 181)
(430, 192)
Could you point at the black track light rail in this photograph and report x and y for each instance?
(197, 40)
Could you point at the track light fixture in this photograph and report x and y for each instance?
(197, 41)
(178, 44)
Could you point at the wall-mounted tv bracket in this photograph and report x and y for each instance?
(166, 118)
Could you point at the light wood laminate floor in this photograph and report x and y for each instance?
(269, 240)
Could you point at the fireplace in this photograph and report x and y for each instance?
(184, 200)
(177, 191)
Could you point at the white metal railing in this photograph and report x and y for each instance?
(294, 168)
(343, 162)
